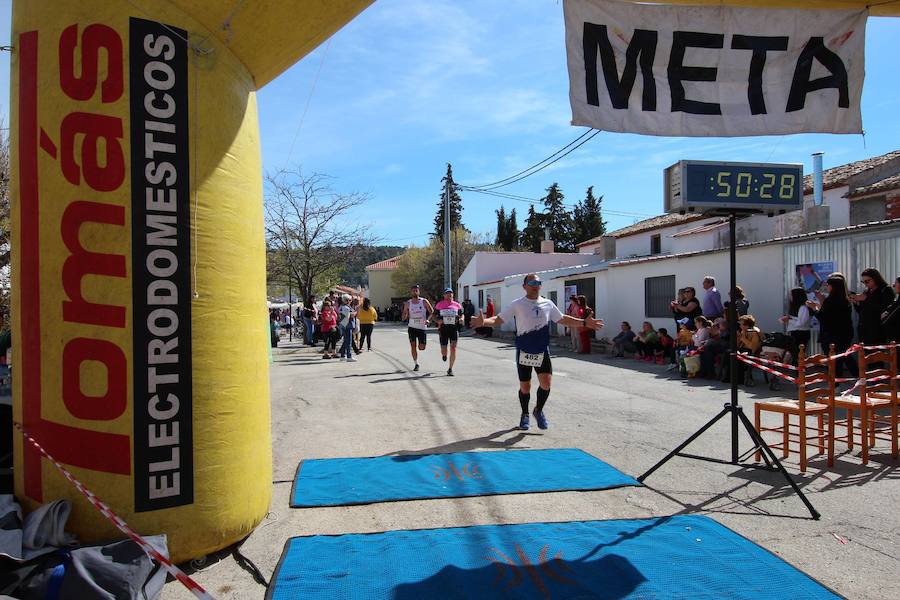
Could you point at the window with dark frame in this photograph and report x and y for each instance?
(655, 244)
(658, 295)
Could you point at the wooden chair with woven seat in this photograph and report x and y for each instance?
(815, 398)
(877, 403)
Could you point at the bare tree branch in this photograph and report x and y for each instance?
(310, 227)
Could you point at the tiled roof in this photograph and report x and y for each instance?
(388, 264)
(837, 176)
(888, 183)
(648, 224)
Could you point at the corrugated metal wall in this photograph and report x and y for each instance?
(882, 254)
(850, 254)
(839, 250)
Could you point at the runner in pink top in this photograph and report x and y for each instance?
(448, 313)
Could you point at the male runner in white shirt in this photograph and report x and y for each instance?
(418, 311)
(532, 314)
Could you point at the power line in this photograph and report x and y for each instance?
(490, 185)
(539, 166)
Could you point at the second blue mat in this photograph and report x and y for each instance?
(682, 557)
(344, 481)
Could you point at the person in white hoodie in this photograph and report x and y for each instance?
(798, 319)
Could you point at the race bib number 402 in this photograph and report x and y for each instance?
(527, 359)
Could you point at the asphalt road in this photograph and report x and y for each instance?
(626, 412)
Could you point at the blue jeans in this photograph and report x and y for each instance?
(309, 331)
(347, 332)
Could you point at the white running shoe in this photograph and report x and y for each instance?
(351, 359)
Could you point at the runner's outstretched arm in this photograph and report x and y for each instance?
(495, 321)
(404, 313)
(590, 322)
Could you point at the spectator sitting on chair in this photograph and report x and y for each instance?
(623, 341)
(646, 342)
(716, 347)
(749, 342)
(666, 351)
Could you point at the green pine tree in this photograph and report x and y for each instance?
(558, 219)
(501, 238)
(533, 233)
(589, 221)
(512, 231)
(455, 206)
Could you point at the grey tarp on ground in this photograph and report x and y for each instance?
(38, 561)
(42, 531)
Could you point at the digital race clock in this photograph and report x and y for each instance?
(723, 187)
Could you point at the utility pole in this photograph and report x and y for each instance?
(448, 276)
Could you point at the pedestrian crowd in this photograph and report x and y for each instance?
(700, 344)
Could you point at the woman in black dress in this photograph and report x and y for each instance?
(687, 307)
(870, 304)
(836, 322)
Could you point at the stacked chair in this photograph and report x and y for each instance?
(876, 406)
(815, 398)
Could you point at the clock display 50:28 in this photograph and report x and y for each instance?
(730, 184)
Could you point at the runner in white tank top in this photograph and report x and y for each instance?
(417, 310)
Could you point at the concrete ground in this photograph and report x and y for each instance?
(626, 412)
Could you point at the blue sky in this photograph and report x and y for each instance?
(410, 85)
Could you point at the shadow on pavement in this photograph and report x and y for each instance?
(480, 443)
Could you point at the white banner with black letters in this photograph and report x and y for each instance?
(714, 70)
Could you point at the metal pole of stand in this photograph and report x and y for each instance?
(732, 341)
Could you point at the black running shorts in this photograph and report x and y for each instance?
(448, 333)
(416, 335)
(525, 372)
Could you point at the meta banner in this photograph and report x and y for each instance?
(160, 238)
(714, 71)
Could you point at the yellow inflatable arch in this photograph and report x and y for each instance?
(138, 259)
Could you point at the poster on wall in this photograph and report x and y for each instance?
(571, 290)
(812, 276)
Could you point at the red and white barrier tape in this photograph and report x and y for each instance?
(855, 347)
(174, 571)
(766, 361)
(752, 362)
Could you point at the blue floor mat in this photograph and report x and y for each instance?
(690, 557)
(343, 481)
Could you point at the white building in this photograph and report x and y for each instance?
(484, 274)
(637, 269)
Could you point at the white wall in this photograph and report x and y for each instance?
(620, 289)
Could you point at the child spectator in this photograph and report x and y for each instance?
(666, 351)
